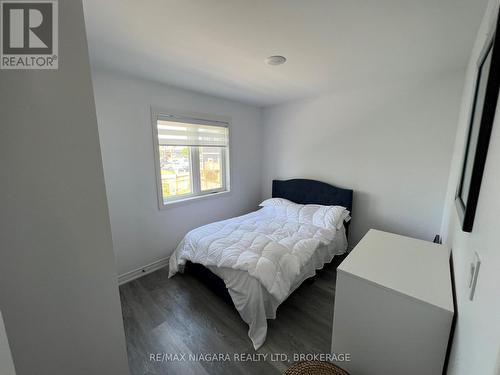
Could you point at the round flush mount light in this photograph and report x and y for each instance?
(275, 60)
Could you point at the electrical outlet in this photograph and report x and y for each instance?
(473, 273)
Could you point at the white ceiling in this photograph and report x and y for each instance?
(219, 46)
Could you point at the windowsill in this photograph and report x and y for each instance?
(177, 202)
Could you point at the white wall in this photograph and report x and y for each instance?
(58, 289)
(141, 232)
(375, 141)
(476, 342)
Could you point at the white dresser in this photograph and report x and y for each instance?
(393, 306)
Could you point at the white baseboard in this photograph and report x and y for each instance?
(138, 272)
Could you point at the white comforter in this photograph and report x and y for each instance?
(268, 245)
(269, 249)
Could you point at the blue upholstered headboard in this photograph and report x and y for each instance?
(304, 191)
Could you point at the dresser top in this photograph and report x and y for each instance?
(415, 268)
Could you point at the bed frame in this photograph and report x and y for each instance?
(300, 191)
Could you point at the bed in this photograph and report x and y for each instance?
(263, 256)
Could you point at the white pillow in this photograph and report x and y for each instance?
(330, 217)
(327, 217)
(273, 202)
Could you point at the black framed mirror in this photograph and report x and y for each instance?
(480, 125)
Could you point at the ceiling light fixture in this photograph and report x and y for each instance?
(275, 60)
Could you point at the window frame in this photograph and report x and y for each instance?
(194, 154)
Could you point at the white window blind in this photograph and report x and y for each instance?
(173, 133)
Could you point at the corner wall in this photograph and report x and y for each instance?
(58, 289)
(374, 141)
(476, 344)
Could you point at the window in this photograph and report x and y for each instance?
(192, 157)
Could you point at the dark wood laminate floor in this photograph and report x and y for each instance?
(181, 316)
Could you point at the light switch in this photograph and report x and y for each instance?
(473, 273)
